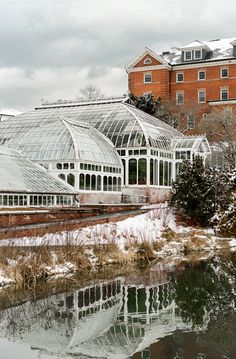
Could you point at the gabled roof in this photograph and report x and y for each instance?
(18, 174)
(142, 55)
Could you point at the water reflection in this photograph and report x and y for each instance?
(124, 316)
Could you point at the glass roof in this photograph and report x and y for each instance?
(191, 143)
(56, 138)
(123, 124)
(18, 174)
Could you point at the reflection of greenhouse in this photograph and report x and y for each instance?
(149, 149)
(108, 320)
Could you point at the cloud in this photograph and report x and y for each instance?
(55, 47)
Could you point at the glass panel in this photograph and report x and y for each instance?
(132, 171)
(142, 171)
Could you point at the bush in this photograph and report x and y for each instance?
(199, 193)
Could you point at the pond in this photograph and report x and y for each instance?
(155, 313)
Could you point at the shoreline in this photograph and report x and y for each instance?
(155, 236)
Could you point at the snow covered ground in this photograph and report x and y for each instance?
(157, 227)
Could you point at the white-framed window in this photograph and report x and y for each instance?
(197, 54)
(180, 77)
(224, 72)
(147, 61)
(202, 75)
(191, 121)
(227, 113)
(201, 96)
(188, 55)
(204, 116)
(224, 93)
(179, 97)
(147, 78)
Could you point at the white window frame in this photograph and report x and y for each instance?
(195, 57)
(177, 77)
(144, 77)
(147, 61)
(185, 55)
(201, 71)
(193, 123)
(221, 72)
(177, 97)
(199, 97)
(221, 93)
(227, 112)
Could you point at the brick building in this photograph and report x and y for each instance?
(197, 78)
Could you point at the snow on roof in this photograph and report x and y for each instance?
(9, 112)
(220, 48)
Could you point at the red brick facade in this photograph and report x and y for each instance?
(202, 86)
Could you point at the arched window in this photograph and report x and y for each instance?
(93, 182)
(170, 173)
(151, 172)
(81, 181)
(119, 184)
(110, 183)
(155, 177)
(166, 173)
(87, 182)
(124, 162)
(161, 173)
(114, 184)
(132, 171)
(105, 183)
(99, 183)
(62, 176)
(71, 179)
(142, 171)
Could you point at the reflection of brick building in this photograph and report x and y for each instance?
(200, 77)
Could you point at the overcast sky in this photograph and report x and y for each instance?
(52, 48)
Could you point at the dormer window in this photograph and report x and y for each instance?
(188, 55)
(197, 54)
(147, 61)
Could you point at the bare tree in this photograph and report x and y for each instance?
(90, 92)
(220, 128)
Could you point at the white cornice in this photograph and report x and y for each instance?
(148, 68)
(226, 102)
(204, 64)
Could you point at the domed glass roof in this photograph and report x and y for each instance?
(18, 174)
(57, 138)
(123, 124)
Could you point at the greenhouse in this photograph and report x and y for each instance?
(74, 152)
(25, 184)
(149, 149)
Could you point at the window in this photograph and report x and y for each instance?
(224, 94)
(224, 73)
(147, 78)
(202, 75)
(201, 96)
(191, 121)
(197, 54)
(147, 61)
(188, 55)
(204, 116)
(227, 113)
(179, 98)
(180, 77)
